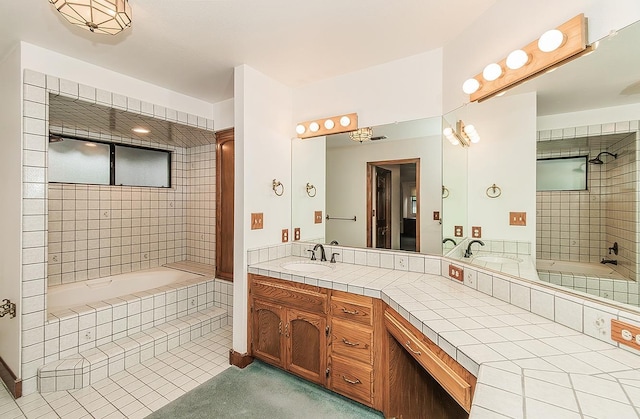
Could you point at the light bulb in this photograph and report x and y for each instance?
(345, 121)
(300, 129)
(517, 59)
(454, 141)
(448, 131)
(469, 129)
(314, 127)
(550, 40)
(329, 124)
(470, 86)
(492, 72)
(475, 138)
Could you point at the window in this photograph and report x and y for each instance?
(562, 174)
(76, 160)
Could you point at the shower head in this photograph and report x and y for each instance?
(598, 160)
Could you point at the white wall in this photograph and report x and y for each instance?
(55, 64)
(512, 24)
(506, 156)
(401, 90)
(263, 152)
(11, 204)
(223, 114)
(589, 117)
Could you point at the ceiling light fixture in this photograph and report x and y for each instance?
(462, 134)
(326, 126)
(100, 16)
(554, 48)
(361, 134)
(140, 130)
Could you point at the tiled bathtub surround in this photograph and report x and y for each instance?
(620, 290)
(581, 225)
(37, 86)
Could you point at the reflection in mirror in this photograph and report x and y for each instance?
(380, 193)
(587, 240)
(454, 190)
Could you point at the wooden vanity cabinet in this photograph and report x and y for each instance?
(289, 326)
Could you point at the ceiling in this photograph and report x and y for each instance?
(83, 117)
(192, 46)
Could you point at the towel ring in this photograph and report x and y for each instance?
(445, 192)
(310, 188)
(495, 191)
(278, 186)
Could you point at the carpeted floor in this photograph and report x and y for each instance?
(265, 392)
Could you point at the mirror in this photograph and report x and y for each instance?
(396, 177)
(587, 239)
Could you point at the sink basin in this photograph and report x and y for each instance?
(306, 267)
(497, 259)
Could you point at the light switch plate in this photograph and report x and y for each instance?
(296, 234)
(257, 221)
(476, 232)
(456, 272)
(317, 217)
(518, 218)
(457, 231)
(285, 235)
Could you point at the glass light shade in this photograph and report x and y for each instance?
(314, 127)
(300, 129)
(329, 124)
(492, 72)
(551, 40)
(517, 59)
(361, 134)
(99, 16)
(470, 86)
(140, 130)
(345, 121)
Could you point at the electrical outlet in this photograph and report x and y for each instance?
(285, 235)
(457, 231)
(257, 221)
(436, 215)
(625, 333)
(476, 232)
(317, 217)
(470, 279)
(456, 272)
(296, 234)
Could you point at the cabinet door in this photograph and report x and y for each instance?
(267, 335)
(306, 345)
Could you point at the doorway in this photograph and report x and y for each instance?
(393, 204)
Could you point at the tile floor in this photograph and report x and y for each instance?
(133, 393)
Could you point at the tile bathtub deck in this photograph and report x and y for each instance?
(133, 393)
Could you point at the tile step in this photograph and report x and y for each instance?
(87, 367)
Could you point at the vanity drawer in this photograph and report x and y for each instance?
(352, 341)
(351, 307)
(300, 296)
(352, 379)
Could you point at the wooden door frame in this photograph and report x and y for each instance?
(222, 137)
(371, 170)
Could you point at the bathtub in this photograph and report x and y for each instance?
(587, 269)
(101, 289)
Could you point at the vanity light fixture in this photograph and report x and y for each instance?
(99, 16)
(140, 130)
(554, 48)
(326, 126)
(462, 134)
(361, 134)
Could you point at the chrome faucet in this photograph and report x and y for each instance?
(467, 253)
(323, 256)
(449, 240)
(611, 261)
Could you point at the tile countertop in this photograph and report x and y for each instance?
(527, 366)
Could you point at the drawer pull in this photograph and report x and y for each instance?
(356, 381)
(354, 312)
(346, 342)
(280, 328)
(408, 345)
(286, 329)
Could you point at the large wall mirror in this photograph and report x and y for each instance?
(587, 237)
(381, 193)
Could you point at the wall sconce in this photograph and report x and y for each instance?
(463, 134)
(554, 48)
(100, 16)
(278, 187)
(326, 126)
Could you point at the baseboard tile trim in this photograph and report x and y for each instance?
(13, 383)
(238, 359)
